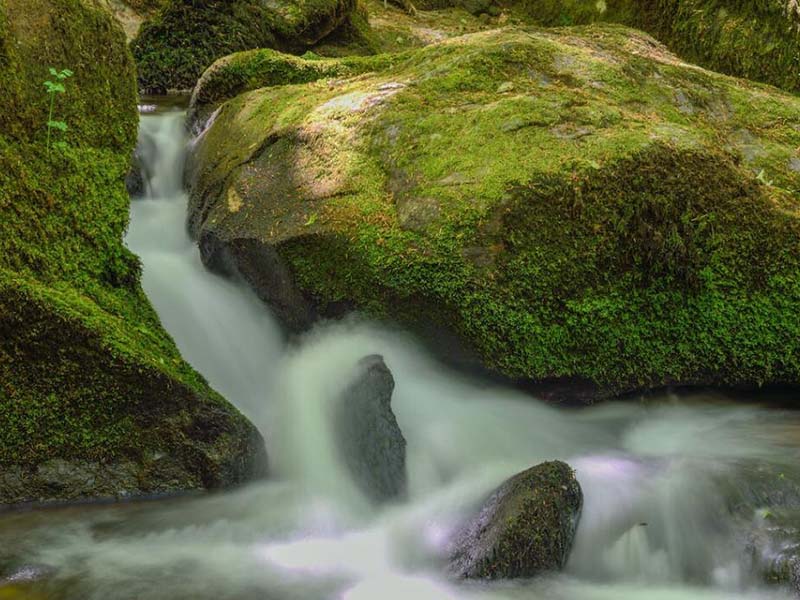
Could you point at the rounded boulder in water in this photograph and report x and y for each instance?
(367, 434)
(525, 528)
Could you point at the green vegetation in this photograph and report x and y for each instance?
(580, 206)
(87, 373)
(758, 39)
(54, 87)
(174, 48)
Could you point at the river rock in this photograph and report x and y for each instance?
(579, 231)
(367, 434)
(260, 266)
(174, 48)
(525, 528)
(95, 399)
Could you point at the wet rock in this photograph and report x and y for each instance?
(774, 546)
(260, 266)
(525, 528)
(367, 434)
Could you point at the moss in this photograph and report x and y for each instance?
(525, 528)
(578, 205)
(174, 48)
(758, 40)
(87, 373)
(253, 69)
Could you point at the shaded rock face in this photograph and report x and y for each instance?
(260, 266)
(174, 48)
(367, 434)
(95, 399)
(525, 528)
(638, 226)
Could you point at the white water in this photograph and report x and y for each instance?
(658, 478)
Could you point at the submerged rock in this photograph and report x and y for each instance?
(367, 434)
(174, 48)
(525, 528)
(545, 195)
(95, 399)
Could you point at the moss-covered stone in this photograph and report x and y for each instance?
(525, 528)
(244, 71)
(174, 48)
(580, 206)
(95, 400)
(756, 39)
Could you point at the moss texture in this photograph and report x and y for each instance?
(579, 205)
(174, 48)
(244, 71)
(86, 371)
(756, 39)
(525, 528)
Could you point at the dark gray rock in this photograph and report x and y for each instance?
(260, 266)
(526, 527)
(367, 434)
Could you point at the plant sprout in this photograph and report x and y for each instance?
(53, 87)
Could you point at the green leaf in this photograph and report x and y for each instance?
(53, 72)
(311, 220)
(60, 125)
(61, 145)
(67, 73)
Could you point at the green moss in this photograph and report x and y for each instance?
(577, 205)
(525, 528)
(87, 373)
(174, 48)
(253, 69)
(759, 40)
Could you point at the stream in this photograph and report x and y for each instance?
(676, 487)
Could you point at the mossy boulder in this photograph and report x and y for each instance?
(249, 70)
(174, 48)
(525, 528)
(95, 400)
(756, 39)
(583, 209)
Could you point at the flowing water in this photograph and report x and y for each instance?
(675, 488)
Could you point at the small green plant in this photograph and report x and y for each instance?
(56, 86)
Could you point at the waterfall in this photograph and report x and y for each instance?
(670, 485)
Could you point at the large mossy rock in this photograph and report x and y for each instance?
(367, 435)
(174, 48)
(525, 528)
(582, 208)
(252, 69)
(95, 400)
(756, 39)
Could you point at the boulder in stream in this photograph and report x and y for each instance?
(367, 434)
(586, 212)
(525, 528)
